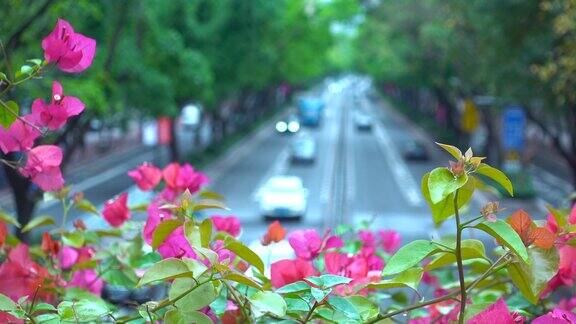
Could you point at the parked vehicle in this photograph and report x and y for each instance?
(283, 197)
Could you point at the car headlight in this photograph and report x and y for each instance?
(281, 126)
(293, 126)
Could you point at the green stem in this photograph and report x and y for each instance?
(471, 221)
(312, 309)
(458, 254)
(10, 111)
(164, 303)
(491, 270)
(242, 306)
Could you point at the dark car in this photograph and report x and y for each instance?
(415, 151)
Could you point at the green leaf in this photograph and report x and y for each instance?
(208, 204)
(245, 253)
(193, 235)
(195, 296)
(344, 306)
(206, 232)
(268, 302)
(8, 219)
(329, 280)
(293, 287)
(206, 194)
(474, 309)
(319, 294)
(441, 183)
(453, 150)
(238, 277)
(82, 310)
(73, 239)
(8, 117)
(532, 277)
(497, 176)
(445, 208)
(471, 249)
(558, 216)
(43, 220)
(506, 235)
(87, 206)
(180, 316)
(296, 305)
(163, 230)
(6, 304)
(35, 61)
(164, 270)
(409, 255)
(367, 309)
(409, 278)
(3, 76)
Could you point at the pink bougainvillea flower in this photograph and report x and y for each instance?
(230, 224)
(390, 240)
(146, 176)
(87, 279)
(55, 113)
(566, 275)
(181, 177)
(367, 237)
(495, 313)
(70, 256)
(71, 51)
(20, 136)
(556, 316)
(116, 210)
(284, 272)
(308, 244)
(43, 167)
(175, 245)
(20, 276)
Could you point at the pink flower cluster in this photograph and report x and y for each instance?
(566, 275)
(71, 52)
(363, 267)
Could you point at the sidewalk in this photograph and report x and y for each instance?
(533, 206)
(87, 166)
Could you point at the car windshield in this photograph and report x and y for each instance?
(284, 184)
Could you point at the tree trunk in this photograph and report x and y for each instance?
(24, 198)
(451, 115)
(173, 145)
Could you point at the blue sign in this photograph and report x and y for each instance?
(513, 124)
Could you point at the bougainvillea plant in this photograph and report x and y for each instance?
(184, 266)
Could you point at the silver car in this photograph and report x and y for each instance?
(303, 149)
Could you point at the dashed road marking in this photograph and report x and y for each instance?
(404, 179)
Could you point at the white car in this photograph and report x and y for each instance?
(303, 149)
(283, 197)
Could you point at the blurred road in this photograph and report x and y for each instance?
(365, 180)
(357, 176)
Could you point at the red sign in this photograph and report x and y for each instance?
(164, 130)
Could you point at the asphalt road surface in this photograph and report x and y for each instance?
(358, 176)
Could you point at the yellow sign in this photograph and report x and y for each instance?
(470, 117)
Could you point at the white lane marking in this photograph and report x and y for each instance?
(404, 179)
(279, 167)
(331, 155)
(102, 177)
(351, 164)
